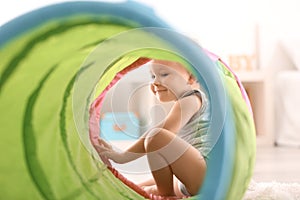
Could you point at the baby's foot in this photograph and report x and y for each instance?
(153, 191)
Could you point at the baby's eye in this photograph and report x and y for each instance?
(152, 76)
(164, 74)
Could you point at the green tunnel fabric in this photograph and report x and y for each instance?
(42, 156)
(243, 160)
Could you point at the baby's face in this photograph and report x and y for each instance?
(170, 80)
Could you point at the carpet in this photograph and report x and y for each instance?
(272, 191)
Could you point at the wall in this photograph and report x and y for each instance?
(229, 27)
(224, 27)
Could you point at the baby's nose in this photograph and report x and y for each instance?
(156, 81)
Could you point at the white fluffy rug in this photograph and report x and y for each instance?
(272, 191)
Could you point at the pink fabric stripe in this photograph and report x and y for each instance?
(94, 125)
(216, 58)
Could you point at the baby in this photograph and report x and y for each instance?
(174, 147)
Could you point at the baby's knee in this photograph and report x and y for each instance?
(154, 132)
(153, 137)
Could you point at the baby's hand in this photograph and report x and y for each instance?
(103, 145)
(103, 149)
(106, 152)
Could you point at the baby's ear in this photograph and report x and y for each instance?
(193, 82)
(192, 79)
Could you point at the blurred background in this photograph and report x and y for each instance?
(260, 40)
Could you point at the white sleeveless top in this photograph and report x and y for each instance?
(195, 131)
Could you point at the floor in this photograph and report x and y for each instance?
(280, 164)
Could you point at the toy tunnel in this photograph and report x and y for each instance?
(57, 64)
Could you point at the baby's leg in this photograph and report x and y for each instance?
(150, 187)
(169, 155)
(148, 182)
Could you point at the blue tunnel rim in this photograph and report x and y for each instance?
(126, 10)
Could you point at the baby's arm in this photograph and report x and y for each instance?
(179, 115)
(105, 150)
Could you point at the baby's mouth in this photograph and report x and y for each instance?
(158, 91)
